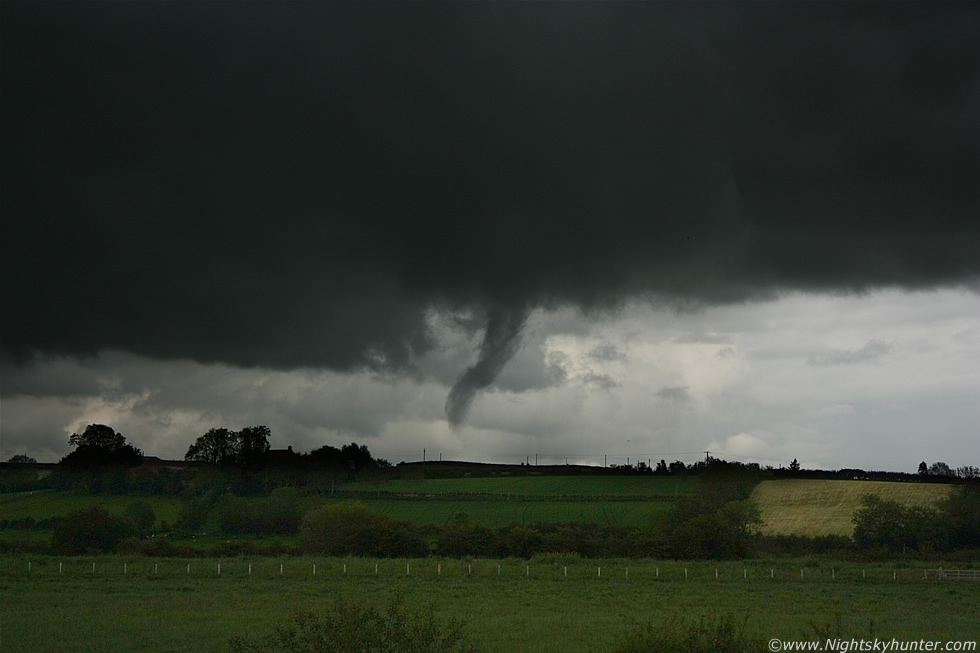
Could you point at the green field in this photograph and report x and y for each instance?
(826, 507)
(157, 606)
(495, 514)
(553, 487)
(46, 504)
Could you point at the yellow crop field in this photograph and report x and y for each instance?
(825, 507)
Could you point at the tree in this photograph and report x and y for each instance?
(100, 445)
(968, 471)
(221, 445)
(215, 446)
(794, 466)
(940, 469)
(253, 442)
(923, 468)
(21, 459)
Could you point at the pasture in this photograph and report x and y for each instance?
(129, 604)
(815, 507)
(46, 504)
(550, 487)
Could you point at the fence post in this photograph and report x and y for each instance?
(250, 569)
(716, 573)
(685, 573)
(59, 567)
(566, 572)
(280, 569)
(600, 572)
(219, 569)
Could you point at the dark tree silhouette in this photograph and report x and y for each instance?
(923, 468)
(99, 444)
(21, 458)
(215, 446)
(221, 445)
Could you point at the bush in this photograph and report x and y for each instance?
(726, 635)
(353, 628)
(89, 529)
(141, 515)
(352, 529)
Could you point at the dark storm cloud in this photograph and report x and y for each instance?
(294, 184)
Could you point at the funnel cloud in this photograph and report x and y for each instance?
(501, 340)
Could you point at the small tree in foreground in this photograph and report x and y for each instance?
(353, 628)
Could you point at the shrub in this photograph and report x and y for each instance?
(726, 635)
(352, 529)
(353, 628)
(89, 529)
(141, 515)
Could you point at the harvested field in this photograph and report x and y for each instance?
(825, 507)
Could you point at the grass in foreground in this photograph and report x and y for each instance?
(128, 604)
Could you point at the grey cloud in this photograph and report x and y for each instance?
(674, 393)
(873, 350)
(704, 339)
(607, 353)
(292, 186)
(601, 381)
(727, 352)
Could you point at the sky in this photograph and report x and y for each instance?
(588, 231)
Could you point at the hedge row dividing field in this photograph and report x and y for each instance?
(146, 604)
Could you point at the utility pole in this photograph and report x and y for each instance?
(423, 454)
(707, 456)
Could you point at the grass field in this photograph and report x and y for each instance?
(494, 514)
(541, 486)
(825, 507)
(157, 606)
(45, 504)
